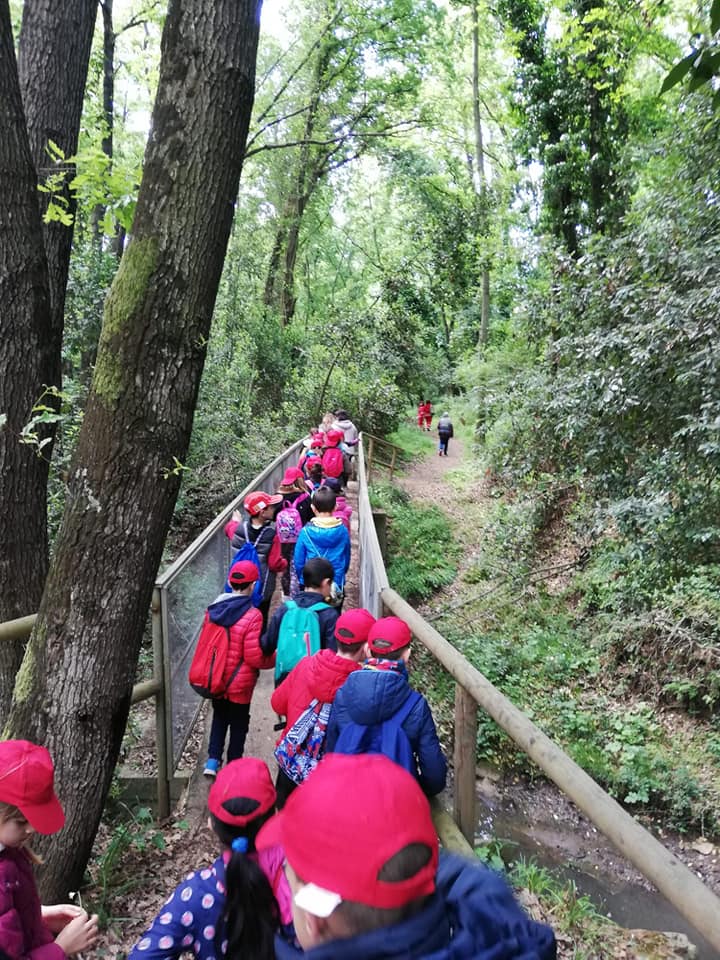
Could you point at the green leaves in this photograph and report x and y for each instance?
(702, 64)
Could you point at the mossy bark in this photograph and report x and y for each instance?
(80, 666)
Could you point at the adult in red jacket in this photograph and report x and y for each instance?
(244, 661)
(319, 677)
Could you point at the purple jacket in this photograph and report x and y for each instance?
(23, 935)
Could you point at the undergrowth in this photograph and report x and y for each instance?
(595, 677)
(422, 553)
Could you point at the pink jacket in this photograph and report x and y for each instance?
(23, 935)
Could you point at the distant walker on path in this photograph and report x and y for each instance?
(445, 431)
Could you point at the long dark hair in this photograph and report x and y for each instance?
(251, 914)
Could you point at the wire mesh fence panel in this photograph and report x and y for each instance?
(372, 577)
(186, 588)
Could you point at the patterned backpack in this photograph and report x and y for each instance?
(300, 750)
(288, 522)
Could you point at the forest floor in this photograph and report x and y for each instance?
(138, 862)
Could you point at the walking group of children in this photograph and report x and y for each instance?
(339, 857)
(350, 867)
(444, 426)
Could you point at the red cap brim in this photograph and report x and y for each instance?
(45, 817)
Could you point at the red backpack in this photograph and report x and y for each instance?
(332, 462)
(209, 660)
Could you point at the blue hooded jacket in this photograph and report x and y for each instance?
(370, 696)
(320, 539)
(229, 608)
(472, 915)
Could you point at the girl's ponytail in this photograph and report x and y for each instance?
(251, 914)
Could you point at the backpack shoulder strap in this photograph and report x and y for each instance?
(320, 605)
(407, 708)
(236, 671)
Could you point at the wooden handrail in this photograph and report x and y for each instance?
(696, 902)
(21, 629)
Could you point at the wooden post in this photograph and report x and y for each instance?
(368, 470)
(464, 761)
(162, 708)
(392, 461)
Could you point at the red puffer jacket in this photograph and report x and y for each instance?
(317, 677)
(245, 624)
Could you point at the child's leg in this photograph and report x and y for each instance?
(284, 786)
(287, 550)
(218, 730)
(239, 723)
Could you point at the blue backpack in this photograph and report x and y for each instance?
(247, 551)
(387, 737)
(299, 751)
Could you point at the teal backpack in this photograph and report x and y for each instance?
(298, 637)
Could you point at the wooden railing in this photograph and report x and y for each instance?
(473, 691)
(378, 452)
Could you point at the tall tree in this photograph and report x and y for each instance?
(73, 690)
(24, 323)
(572, 112)
(54, 50)
(364, 78)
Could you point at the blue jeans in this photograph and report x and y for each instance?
(236, 717)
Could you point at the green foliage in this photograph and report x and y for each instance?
(701, 66)
(422, 552)
(136, 831)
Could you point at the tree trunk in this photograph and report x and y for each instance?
(74, 686)
(24, 321)
(108, 98)
(482, 179)
(53, 57)
(55, 45)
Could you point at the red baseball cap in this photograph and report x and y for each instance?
(353, 625)
(291, 475)
(245, 779)
(317, 442)
(243, 572)
(333, 437)
(387, 635)
(255, 502)
(378, 809)
(26, 782)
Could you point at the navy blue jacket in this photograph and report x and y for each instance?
(306, 598)
(370, 696)
(472, 915)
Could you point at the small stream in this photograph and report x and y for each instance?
(573, 850)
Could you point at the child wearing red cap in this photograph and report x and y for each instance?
(375, 694)
(368, 881)
(234, 907)
(260, 531)
(319, 677)
(325, 536)
(28, 804)
(295, 494)
(231, 712)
